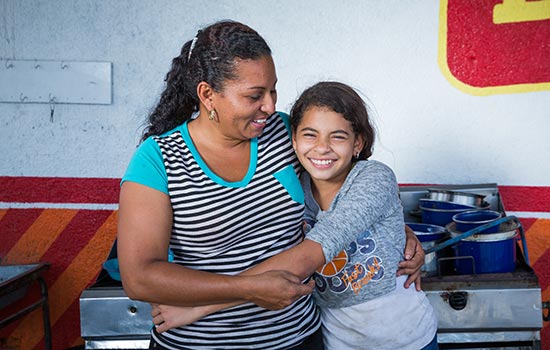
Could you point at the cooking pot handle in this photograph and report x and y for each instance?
(478, 229)
(523, 242)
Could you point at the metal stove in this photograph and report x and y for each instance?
(111, 320)
(484, 311)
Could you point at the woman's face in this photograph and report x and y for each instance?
(245, 103)
(325, 144)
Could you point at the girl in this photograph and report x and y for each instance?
(350, 202)
(363, 304)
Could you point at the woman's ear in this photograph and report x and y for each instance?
(205, 93)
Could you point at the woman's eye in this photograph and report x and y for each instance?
(254, 97)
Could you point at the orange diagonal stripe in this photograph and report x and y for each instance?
(538, 240)
(68, 287)
(2, 213)
(40, 236)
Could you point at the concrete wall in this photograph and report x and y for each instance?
(429, 131)
(433, 128)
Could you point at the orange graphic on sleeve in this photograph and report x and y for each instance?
(335, 265)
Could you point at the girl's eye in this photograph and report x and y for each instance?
(254, 97)
(308, 135)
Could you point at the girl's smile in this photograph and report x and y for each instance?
(325, 145)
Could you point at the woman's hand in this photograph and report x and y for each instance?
(414, 259)
(274, 290)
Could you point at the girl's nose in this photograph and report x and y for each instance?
(322, 146)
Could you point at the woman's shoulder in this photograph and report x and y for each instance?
(280, 117)
(276, 122)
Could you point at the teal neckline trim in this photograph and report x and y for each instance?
(251, 167)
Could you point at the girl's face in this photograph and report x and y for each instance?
(325, 144)
(245, 103)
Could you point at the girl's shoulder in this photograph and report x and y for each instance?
(372, 166)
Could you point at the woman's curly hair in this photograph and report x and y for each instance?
(209, 57)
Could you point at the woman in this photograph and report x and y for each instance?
(215, 181)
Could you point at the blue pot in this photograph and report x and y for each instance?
(469, 220)
(440, 213)
(498, 256)
(429, 235)
(427, 232)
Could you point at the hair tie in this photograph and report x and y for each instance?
(193, 44)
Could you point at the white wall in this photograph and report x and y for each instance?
(429, 131)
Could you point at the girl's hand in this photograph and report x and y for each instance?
(414, 259)
(166, 317)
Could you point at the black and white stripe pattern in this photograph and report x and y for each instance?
(228, 229)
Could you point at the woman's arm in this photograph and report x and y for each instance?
(301, 260)
(144, 226)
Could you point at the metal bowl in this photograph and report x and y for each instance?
(458, 197)
(440, 195)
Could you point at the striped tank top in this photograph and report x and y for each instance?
(228, 227)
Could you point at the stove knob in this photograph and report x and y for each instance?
(458, 300)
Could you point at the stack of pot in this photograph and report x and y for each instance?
(437, 211)
(441, 205)
(490, 251)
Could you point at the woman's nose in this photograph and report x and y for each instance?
(268, 107)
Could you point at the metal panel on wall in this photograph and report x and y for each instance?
(40, 81)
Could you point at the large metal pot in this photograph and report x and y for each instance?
(458, 197)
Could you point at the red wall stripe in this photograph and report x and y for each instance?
(13, 225)
(525, 198)
(106, 191)
(58, 190)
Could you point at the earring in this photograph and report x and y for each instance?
(357, 155)
(212, 115)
